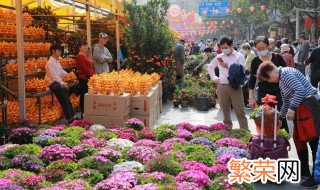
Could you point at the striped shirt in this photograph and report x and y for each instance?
(294, 88)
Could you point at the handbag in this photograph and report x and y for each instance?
(55, 86)
(268, 147)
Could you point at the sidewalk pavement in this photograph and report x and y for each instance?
(177, 115)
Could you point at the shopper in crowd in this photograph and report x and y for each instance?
(226, 94)
(209, 56)
(219, 50)
(259, 89)
(249, 55)
(300, 100)
(272, 46)
(179, 56)
(288, 58)
(202, 45)
(303, 53)
(195, 49)
(54, 74)
(102, 58)
(208, 43)
(215, 44)
(314, 61)
(85, 70)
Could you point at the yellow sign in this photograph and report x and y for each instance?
(272, 34)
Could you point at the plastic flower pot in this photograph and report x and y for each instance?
(184, 104)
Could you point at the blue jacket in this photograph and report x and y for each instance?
(236, 76)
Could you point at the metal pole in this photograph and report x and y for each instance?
(20, 61)
(297, 23)
(118, 40)
(88, 24)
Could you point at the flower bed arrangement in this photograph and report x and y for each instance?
(171, 157)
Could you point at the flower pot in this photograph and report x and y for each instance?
(184, 104)
(176, 103)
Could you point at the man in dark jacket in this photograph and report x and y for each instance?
(179, 57)
(303, 53)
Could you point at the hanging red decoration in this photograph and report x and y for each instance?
(228, 10)
(239, 9)
(262, 8)
(216, 11)
(251, 9)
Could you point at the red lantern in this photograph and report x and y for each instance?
(216, 11)
(239, 10)
(228, 10)
(251, 9)
(263, 8)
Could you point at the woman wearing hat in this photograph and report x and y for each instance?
(287, 56)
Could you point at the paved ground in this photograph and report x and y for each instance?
(176, 115)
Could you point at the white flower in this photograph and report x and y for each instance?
(128, 166)
(120, 143)
(97, 127)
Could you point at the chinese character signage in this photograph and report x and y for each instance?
(264, 170)
(215, 8)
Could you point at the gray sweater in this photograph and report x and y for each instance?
(101, 59)
(303, 52)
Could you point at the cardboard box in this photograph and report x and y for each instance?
(143, 105)
(147, 120)
(160, 88)
(105, 105)
(106, 120)
(156, 89)
(160, 104)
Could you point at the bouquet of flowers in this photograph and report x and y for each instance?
(142, 154)
(135, 124)
(129, 166)
(124, 180)
(57, 152)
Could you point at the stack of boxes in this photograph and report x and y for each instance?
(115, 110)
(107, 110)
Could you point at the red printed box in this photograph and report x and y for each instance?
(106, 105)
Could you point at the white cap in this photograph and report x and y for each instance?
(284, 48)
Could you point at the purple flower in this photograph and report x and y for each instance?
(217, 126)
(149, 186)
(97, 143)
(58, 127)
(183, 133)
(87, 135)
(232, 150)
(200, 127)
(219, 168)
(124, 180)
(186, 126)
(135, 124)
(101, 159)
(34, 180)
(6, 184)
(158, 175)
(203, 141)
(129, 136)
(192, 165)
(81, 123)
(147, 134)
(167, 144)
(188, 186)
(69, 185)
(231, 142)
(48, 132)
(142, 154)
(109, 153)
(196, 176)
(224, 158)
(27, 162)
(149, 143)
(57, 152)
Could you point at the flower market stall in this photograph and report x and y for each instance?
(128, 156)
(38, 25)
